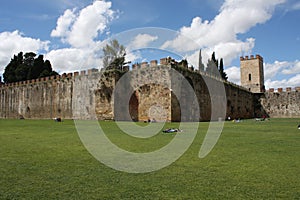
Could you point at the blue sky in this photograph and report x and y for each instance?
(71, 34)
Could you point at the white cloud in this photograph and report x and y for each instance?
(281, 67)
(274, 72)
(292, 82)
(220, 34)
(230, 50)
(14, 42)
(294, 68)
(72, 59)
(138, 42)
(64, 23)
(141, 41)
(238, 16)
(133, 56)
(272, 69)
(80, 29)
(193, 59)
(233, 74)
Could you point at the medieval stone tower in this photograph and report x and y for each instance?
(252, 73)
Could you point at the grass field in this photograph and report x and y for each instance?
(41, 159)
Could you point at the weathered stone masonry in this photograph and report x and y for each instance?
(89, 95)
(283, 104)
(37, 99)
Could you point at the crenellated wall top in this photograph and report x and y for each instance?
(280, 90)
(49, 78)
(251, 57)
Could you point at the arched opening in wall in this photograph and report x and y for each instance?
(134, 107)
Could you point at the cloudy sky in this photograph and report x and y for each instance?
(71, 34)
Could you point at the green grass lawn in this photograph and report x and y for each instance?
(42, 159)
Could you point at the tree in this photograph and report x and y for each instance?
(212, 65)
(221, 70)
(26, 66)
(114, 55)
(214, 68)
(29, 58)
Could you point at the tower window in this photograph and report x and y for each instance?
(250, 77)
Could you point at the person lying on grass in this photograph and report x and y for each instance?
(172, 130)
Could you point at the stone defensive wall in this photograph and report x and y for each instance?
(239, 102)
(43, 98)
(90, 95)
(283, 103)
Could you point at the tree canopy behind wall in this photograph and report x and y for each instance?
(26, 67)
(214, 68)
(114, 55)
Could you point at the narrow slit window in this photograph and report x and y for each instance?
(250, 77)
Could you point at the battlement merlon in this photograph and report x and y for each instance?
(153, 63)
